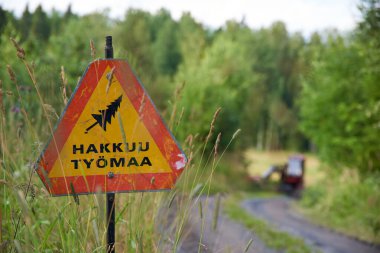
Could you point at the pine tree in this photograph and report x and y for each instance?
(40, 24)
(25, 23)
(3, 19)
(68, 14)
(106, 116)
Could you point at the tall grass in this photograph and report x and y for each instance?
(347, 202)
(280, 241)
(32, 221)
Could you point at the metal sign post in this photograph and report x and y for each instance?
(110, 222)
(89, 151)
(108, 50)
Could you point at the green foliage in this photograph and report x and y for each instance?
(192, 39)
(340, 113)
(370, 25)
(230, 175)
(253, 75)
(347, 204)
(3, 19)
(25, 23)
(133, 35)
(218, 80)
(281, 67)
(165, 49)
(340, 105)
(40, 25)
(272, 238)
(340, 98)
(270, 83)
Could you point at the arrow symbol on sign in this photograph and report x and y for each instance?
(105, 116)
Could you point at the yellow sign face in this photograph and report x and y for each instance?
(109, 136)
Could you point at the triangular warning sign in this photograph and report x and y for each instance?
(110, 138)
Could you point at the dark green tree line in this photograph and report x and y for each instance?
(340, 102)
(283, 90)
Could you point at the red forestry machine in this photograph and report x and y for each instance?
(291, 175)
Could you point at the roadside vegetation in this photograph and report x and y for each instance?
(32, 221)
(339, 199)
(277, 240)
(347, 203)
(231, 96)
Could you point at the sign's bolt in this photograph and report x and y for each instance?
(110, 174)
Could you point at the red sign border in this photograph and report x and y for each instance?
(75, 185)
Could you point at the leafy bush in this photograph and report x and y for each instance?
(349, 203)
(340, 100)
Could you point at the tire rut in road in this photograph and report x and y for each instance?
(278, 213)
(229, 236)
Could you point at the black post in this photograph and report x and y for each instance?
(110, 222)
(108, 50)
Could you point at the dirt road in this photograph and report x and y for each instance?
(278, 213)
(230, 236)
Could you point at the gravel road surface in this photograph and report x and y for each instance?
(278, 213)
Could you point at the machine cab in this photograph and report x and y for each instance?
(293, 173)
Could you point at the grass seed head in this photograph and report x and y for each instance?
(212, 125)
(180, 116)
(11, 74)
(236, 133)
(50, 109)
(64, 84)
(178, 90)
(20, 50)
(189, 141)
(189, 160)
(217, 144)
(93, 50)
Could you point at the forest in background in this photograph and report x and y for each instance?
(283, 90)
